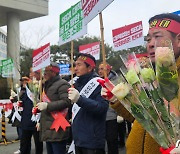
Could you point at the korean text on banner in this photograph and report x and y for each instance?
(128, 36)
(177, 12)
(7, 68)
(41, 57)
(64, 69)
(92, 48)
(71, 24)
(91, 8)
(7, 105)
(0, 70)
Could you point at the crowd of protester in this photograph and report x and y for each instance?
(78, 111)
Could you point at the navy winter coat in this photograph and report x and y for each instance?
(88, 127)
(26, 122)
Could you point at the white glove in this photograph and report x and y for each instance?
(13, 94)
(103, 92)
(104, 95)
(119, 119)
(42, 106)
(73, 94)
(11, 98)
(38, 126)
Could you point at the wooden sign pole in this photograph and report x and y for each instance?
(72, 61)
(102, 44)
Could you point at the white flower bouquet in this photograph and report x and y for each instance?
(34, 87)
(143, 92)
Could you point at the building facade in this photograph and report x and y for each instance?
(3, 44)
(12, 12)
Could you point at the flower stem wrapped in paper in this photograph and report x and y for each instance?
(167, 74)
(166, 122)
(167, 77)
(34, 87)
(128, 97)
(139, 92)
(131, 73)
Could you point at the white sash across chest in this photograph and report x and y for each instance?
(85, 92)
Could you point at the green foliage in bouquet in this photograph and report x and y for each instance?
(148, 93)
(168, 82)
(166, 72)
(34, 88)
(134, 106)
(163, 113)
(147, 104)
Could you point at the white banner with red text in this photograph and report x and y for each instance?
(91, 8)
(128, 36)
(7, 105)
(41, 57)
(92, 49)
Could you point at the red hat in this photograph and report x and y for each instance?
(87, 60)
(54, 67)
(166, 24)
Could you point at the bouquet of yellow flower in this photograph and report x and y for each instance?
(34, 87)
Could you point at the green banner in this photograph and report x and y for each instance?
(71, 24)
(0, 70)
(7, 68)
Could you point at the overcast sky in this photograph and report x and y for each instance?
(119, 13)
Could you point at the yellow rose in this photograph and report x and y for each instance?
(17, 85)
(132, 77)
(148, 74)
(35, 81)
(121, 90)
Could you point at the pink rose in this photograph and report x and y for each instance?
(133, 64)
(164, 56)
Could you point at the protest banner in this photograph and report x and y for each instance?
(71, 24)
(128, 36)
(41, 57)
(91, 8)
(64, 69)
(7, 68)
(92, 48)
(177, 12)
(0, 70)
(6, 104)
(6, 107)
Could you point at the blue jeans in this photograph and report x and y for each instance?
(56, 147)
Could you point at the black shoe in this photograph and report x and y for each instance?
(121, 145)
(17, 139)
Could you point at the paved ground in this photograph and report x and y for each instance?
(11, 135)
